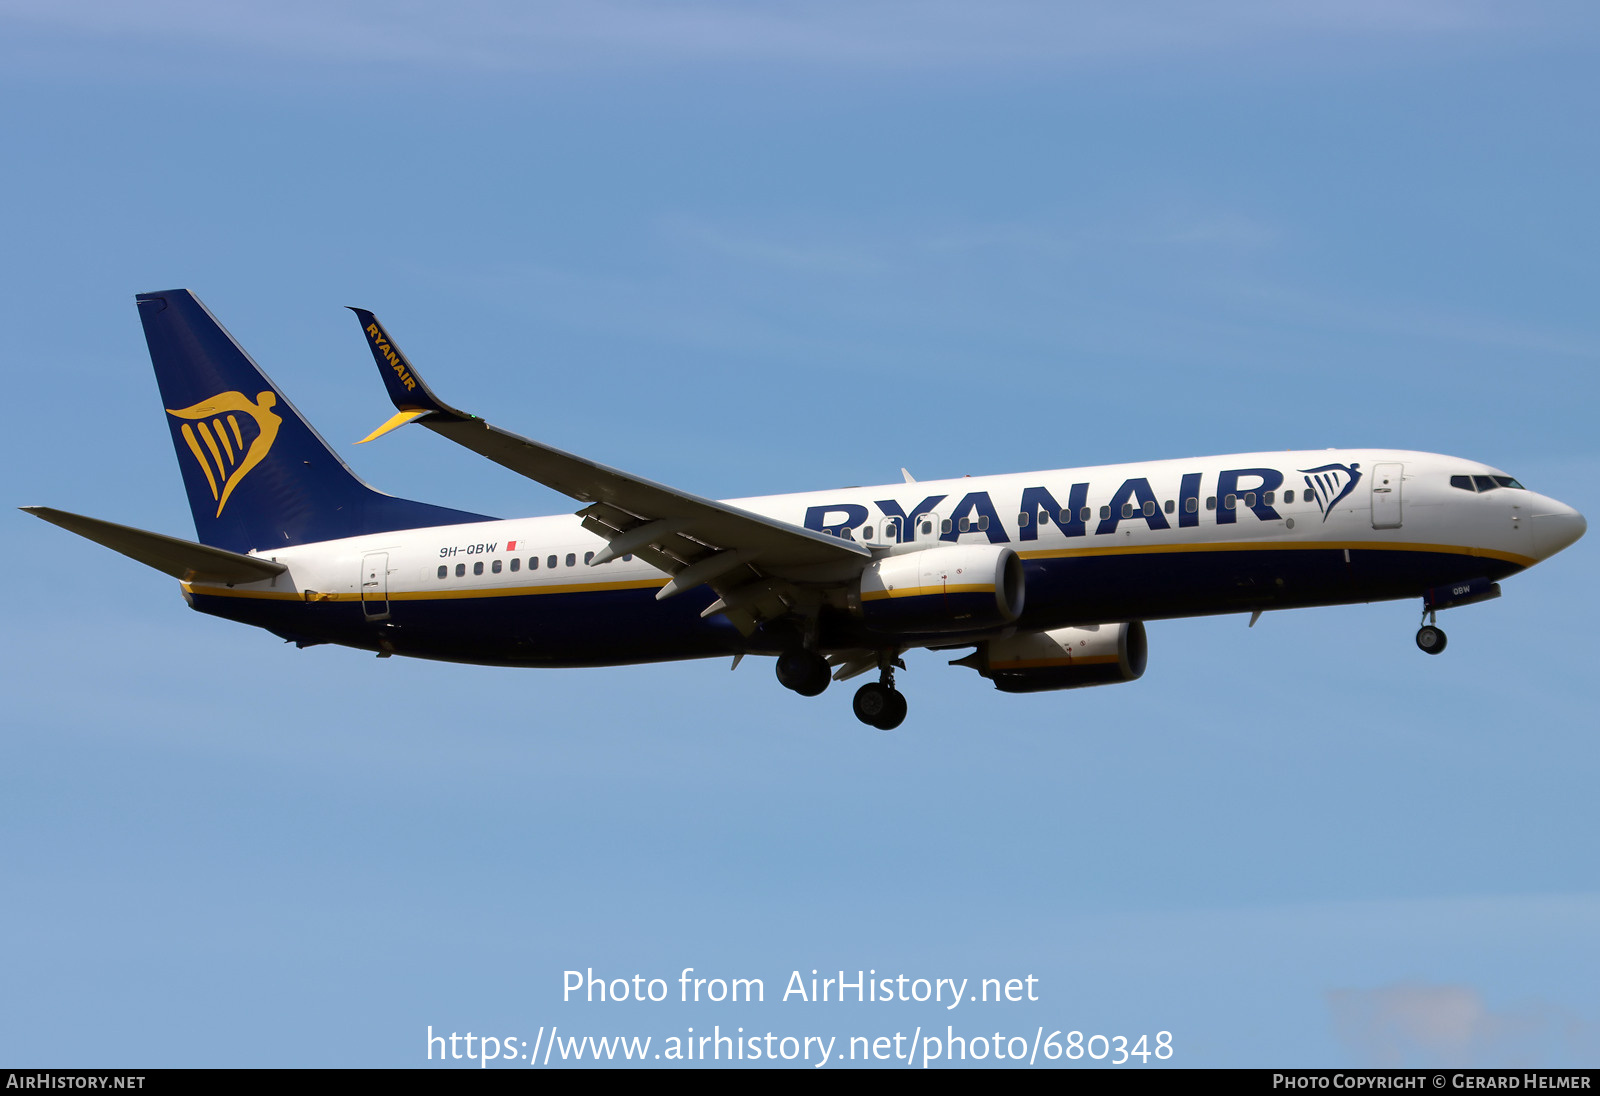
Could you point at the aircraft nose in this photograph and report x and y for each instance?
(1556, 526)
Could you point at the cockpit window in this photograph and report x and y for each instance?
(1462, 483)
(1484, 483)
(1507, 481)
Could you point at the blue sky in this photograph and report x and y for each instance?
(755, 248)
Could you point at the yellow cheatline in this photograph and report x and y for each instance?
(1275, 546)
(213, 590)
(929, 591)
(400, 419)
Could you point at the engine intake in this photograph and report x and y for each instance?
(1062, 658)
(960, 588)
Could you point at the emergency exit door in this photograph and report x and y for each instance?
(375, 586)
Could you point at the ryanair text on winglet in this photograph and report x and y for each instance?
(399, 367)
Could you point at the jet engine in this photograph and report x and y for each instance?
(959, 588)
(1062, 658)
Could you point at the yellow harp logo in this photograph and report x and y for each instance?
(220, 447)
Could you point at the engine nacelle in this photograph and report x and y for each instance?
(1062, 658)
(959, 588)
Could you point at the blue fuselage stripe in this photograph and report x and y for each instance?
(615, 627)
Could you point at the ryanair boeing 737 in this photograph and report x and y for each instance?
(1047, 576)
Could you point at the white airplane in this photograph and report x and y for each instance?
(1048, 576)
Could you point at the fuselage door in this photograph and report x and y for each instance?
(1386, 479)
(375, 586)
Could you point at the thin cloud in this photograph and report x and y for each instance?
(1414, 1024)
(811, 256)
(557, 35)
(1415, 320)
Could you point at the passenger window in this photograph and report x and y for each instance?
(1463, 483)
(1149, 507)
(866, 534)
(1022, 520)
(1171, 506)
(1085, 513)
(516, 564)
(1191, 504)
(588, 557)
(944, 526)
(1211, 502)
(627, 558)
(1250, 499)
(461, 569)
(1230, 503)
(551, 562)
(1105, 512)
(495, 567)
(1268, 497)
(1044, 517)
(572, 559)
(1288, 497)
(1127, 509)
(443, 570)
(477, 568)
(983, 522)
(966, 525)
(927, 527)
(533, 563)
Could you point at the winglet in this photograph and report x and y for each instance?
(410, 395)
(400, 419)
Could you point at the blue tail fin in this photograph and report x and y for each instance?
(257, 474)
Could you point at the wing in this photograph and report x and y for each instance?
(759, 567)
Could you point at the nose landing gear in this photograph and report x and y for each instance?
(1430, 637)
(878, 703)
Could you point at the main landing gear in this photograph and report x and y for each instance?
(878, 703)
(806, 672)
(1430, 637)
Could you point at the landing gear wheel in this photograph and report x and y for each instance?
(806, 672)
(896, 714)
(879, 706)
(1430, 639)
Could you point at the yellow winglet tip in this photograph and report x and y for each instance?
(400, 419)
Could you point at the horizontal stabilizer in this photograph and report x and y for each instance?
(182, 559)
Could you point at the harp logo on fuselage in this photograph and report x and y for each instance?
(219, 442)
(1331, 484)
